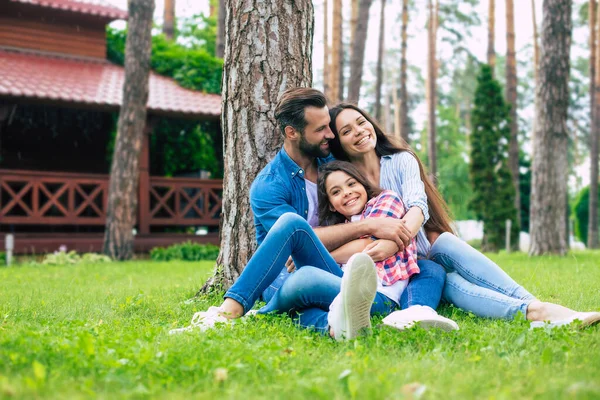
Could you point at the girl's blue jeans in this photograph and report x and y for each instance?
(307, 293)
(475, 283)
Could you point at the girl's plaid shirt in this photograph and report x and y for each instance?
(404, 263)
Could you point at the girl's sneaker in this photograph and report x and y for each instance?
(203, 321)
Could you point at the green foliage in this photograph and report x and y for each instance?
(187, 251)
(200, 32)
(2, 258)
(63, 257)
(493, 200)
(76, 332)
(453, 170)
(192, 67)
(581, 210)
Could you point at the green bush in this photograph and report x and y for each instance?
(187, 251)
(2, 258)
(71, 258)
(581, 210)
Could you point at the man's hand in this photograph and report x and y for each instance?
(381, 249)
(390, 229)
(289, 264)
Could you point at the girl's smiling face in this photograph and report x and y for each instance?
(356, 134)
(346, 195)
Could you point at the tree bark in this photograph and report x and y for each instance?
(550, 164)
(491, 51)
(511, 98)
(357, 56)
(404, 127)
(269, 50)
(594, 138)
(336, 53)
(169, 19)
(536, 64)
(124, 173)
(221, 29)
(379, 78)
(431, 89)
(326, 64)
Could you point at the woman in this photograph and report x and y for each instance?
(474, 282)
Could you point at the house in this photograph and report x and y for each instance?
(58, 100)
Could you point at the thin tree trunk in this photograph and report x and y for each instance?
(124, 173)
(511, 98)
(221, 29)
(336, 52)
(536, 65)
(169, 19)
(379, 78)
(491, 51)
(354, 4)
(550, 164)
(326, 64)
(594, 138)
(255, 73)
(358, 51)
(398, 121)
(404, 127)
(431, 95)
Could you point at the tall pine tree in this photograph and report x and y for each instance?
(493, 191)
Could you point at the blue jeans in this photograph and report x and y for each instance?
(477, 284)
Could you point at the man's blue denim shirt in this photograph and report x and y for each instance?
(277, 189)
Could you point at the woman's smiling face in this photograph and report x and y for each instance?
(346, 195)
(356, 134)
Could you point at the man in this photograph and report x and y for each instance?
(287, 184)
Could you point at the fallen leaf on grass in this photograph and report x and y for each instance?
(414, 390)
(221, 374)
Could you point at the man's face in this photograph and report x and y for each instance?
(314, 142)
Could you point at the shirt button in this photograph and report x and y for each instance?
(301, 171)
(306, 212)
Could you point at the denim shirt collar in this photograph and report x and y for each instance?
(294, 169)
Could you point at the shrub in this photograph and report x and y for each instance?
(187, 251)
(581, 209)
(70, 258)
(2, 258)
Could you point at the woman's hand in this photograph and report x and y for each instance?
(381, 249)
(289, 264)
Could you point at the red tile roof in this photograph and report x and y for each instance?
(92, 7)
(92, 82)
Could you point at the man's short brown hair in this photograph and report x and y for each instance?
(290, 107)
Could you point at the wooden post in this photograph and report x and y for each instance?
(144, 186)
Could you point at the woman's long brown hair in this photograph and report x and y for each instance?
(326, 215)
(439, 215)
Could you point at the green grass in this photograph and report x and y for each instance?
(101, 331)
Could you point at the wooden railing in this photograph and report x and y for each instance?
(51, 198)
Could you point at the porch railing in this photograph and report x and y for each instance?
(57, 198)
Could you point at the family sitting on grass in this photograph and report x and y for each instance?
(368, 233)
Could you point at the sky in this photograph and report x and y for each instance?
(417, 44)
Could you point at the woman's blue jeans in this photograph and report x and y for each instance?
(475, 283)
(308, 292)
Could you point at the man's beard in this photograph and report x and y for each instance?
(312, 150)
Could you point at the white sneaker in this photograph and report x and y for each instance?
(426, 317)
(585, 319)
(203, 320)
(350, 311)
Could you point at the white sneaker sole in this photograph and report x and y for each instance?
(435, 322)
(359, 285)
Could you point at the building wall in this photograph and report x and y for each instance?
(27, 27)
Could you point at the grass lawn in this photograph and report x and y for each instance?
(101, 331)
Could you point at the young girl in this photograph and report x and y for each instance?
(345, 195)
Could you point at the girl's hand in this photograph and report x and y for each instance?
(289, 264)
(381, 249)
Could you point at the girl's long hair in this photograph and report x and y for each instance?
(439, 215)
(332, 217)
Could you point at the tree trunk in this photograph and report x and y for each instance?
(404, 127)
(511, 98)
(326, 64)
(431, 88)
(221, 29)
(379, 78)
(536, 65)
(124, 173)
(255, 73)
(354, 4)
(550, 165)
(336, 53)
(169, 19)
(491, 51)
(357, 56)
(594, 138)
